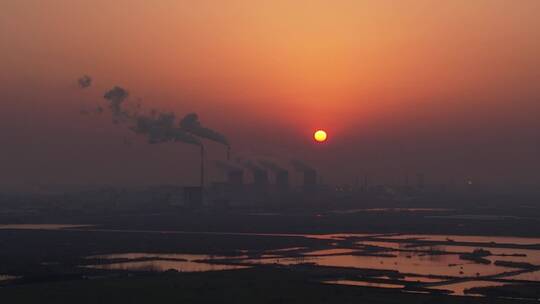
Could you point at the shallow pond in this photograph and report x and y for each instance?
(528, 276)
(4, 277)
(163, 262)
(333, 251)
(459, 289)
(365, 284)
(439, 265)
(469, 238)
(162, 265)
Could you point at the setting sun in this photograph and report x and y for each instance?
(320, 136)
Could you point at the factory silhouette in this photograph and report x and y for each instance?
(243, 181)
(270, 180)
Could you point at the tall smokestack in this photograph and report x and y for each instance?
(191, 124)
(366, 183)
(202, 168)
(158, 127)
(406, 180)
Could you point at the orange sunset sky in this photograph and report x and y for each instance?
(450, 87)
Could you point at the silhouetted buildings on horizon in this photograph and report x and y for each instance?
(259, 186)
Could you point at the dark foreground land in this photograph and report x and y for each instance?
(48, 262)
(258, 285)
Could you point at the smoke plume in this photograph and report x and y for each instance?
(162, 128)
(116, 96)
(84, 82)
(97, 110)
(157, 126)
(191, 124)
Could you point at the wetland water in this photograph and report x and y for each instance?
(6, 277)
(161, 262)
(432, 262)
(436, 266)
(460, 289)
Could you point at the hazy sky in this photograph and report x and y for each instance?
(450, 87)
